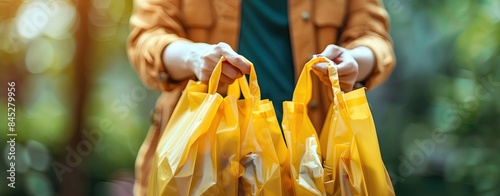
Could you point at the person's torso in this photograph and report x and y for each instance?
(312, 26)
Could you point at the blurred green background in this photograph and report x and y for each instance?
(82, 113)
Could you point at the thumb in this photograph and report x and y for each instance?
(321, 67)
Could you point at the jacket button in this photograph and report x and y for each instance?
(305, 15)
(313, 104)
(162, 76)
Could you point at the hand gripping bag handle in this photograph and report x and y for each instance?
(303, 90)
(249, 89)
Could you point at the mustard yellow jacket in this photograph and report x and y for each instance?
(313, 25)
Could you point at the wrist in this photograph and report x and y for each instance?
(176, 59)
(365, 58)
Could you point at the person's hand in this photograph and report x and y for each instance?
(203, 60)
(347, 67)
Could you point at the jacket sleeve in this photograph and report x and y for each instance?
(154, 25)
(368, 25)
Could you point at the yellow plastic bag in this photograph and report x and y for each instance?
(353, 164)
(263, 149)
(198, 152)
(305, 162)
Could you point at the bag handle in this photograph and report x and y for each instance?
(249, 89)
(303, 89)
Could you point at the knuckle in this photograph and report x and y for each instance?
(239, 61)
(239, 74)
(220, 46)
(331, 46)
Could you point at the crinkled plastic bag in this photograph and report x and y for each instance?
(198, 152)
(263, 149)
(305, 162)
(352, 160)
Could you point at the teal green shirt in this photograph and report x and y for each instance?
(265, 41)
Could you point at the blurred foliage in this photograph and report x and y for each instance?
(38, 55)
(438, 131)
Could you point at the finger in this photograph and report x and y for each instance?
(321, 70)
(348, 73)
(225, 80)
(339, 59)
(234, 58)
(347, 67)
(240, 63)
(231, 71)
(332, 51)
(346, 86)
(222, 89)
(321, 67)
